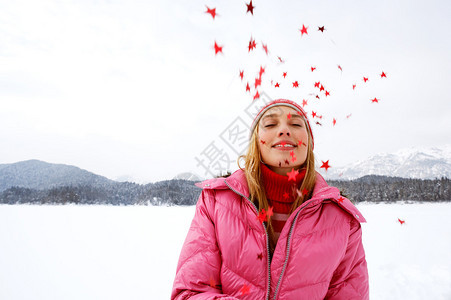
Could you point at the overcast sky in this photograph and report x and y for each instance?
(133, 89)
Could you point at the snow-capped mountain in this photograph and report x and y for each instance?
(35, 174)
(422, 163)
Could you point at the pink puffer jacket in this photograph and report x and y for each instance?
(319, 254)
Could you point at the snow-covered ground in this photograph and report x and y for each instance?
(105, 252)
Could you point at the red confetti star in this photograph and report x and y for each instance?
(365, 79)
(258, 81)
(318, 123)
(241, 74)
(353, 86)
(313, 114)
(248, 88)
(300, 143)
(303, 193)
(321, 28)
(284, 74)
(292, 174)
(252, 45)
(269, 213)
(292, 153)
(375, 100)
(340, 68)
(262, 216)
(383, 75)
(317, 84)
(245, 289)
(401, 221)
(334, 121)
(257, 95)
(304, 102)
(250, 8)
(210, 11)
(325, 165)
(265, 47)
(321, 88)
(285, 195)
(288, 116)
(303, 30)
(262, 70)
(280, 59)
(277, 85)
(340, 200)
(313, 68)
(217, 48)
(327, 93)
(296, 84)
(287, 162)
(293, 159)
(260, 256)
(348, 116)
(262, 141)
(317, 97)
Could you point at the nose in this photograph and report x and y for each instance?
(284, 130)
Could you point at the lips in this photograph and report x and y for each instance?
(284, 145)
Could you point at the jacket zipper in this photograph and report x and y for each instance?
(267, 241)
(288, 252)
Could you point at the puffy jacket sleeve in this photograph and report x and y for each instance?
(197, 275)
(350, 279)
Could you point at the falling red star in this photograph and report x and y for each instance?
(250, 8)
(284, 74)
(241, 74)
(252, 45)
(212, 282)
(287, 162)
(365, 79)
(258, 81)
(321, 28)
(262, 141)
(282, 144)
(285, 195)
(292, 174)
(295, 84)
(348, 116)
(313, 68)
(317, 97)
(340, 200)
(375, 100)
(303, 30)
(304, 102)
(318, 123)
(280, 59)
(353, 86)
(327, 93)
(383, 75)
(262, 70)
(265, 47)
(269, 213)
(321, 88)
(293, 159)
(325, 165)
(300, 143)
(334, 121)
(340, 68)
(303, 193)
(257, 95)
(245, 289)
(260, 256)
(317, 84)
(313, 114)
(277, 85)
(248, 88)
(401, 221)
(262, 216)
(292, 153)
(210, 11)
(288, 116)
(217, 48)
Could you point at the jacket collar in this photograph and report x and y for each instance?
(321, 192)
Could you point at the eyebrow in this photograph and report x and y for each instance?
(275, 115)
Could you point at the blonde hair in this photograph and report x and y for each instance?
(252, 170)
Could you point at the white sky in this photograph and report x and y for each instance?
(133, 89)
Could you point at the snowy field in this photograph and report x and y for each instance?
(105, 252)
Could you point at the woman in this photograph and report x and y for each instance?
(275, 229)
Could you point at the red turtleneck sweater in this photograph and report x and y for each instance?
(281, 193)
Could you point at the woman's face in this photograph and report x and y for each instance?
(283, 139)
